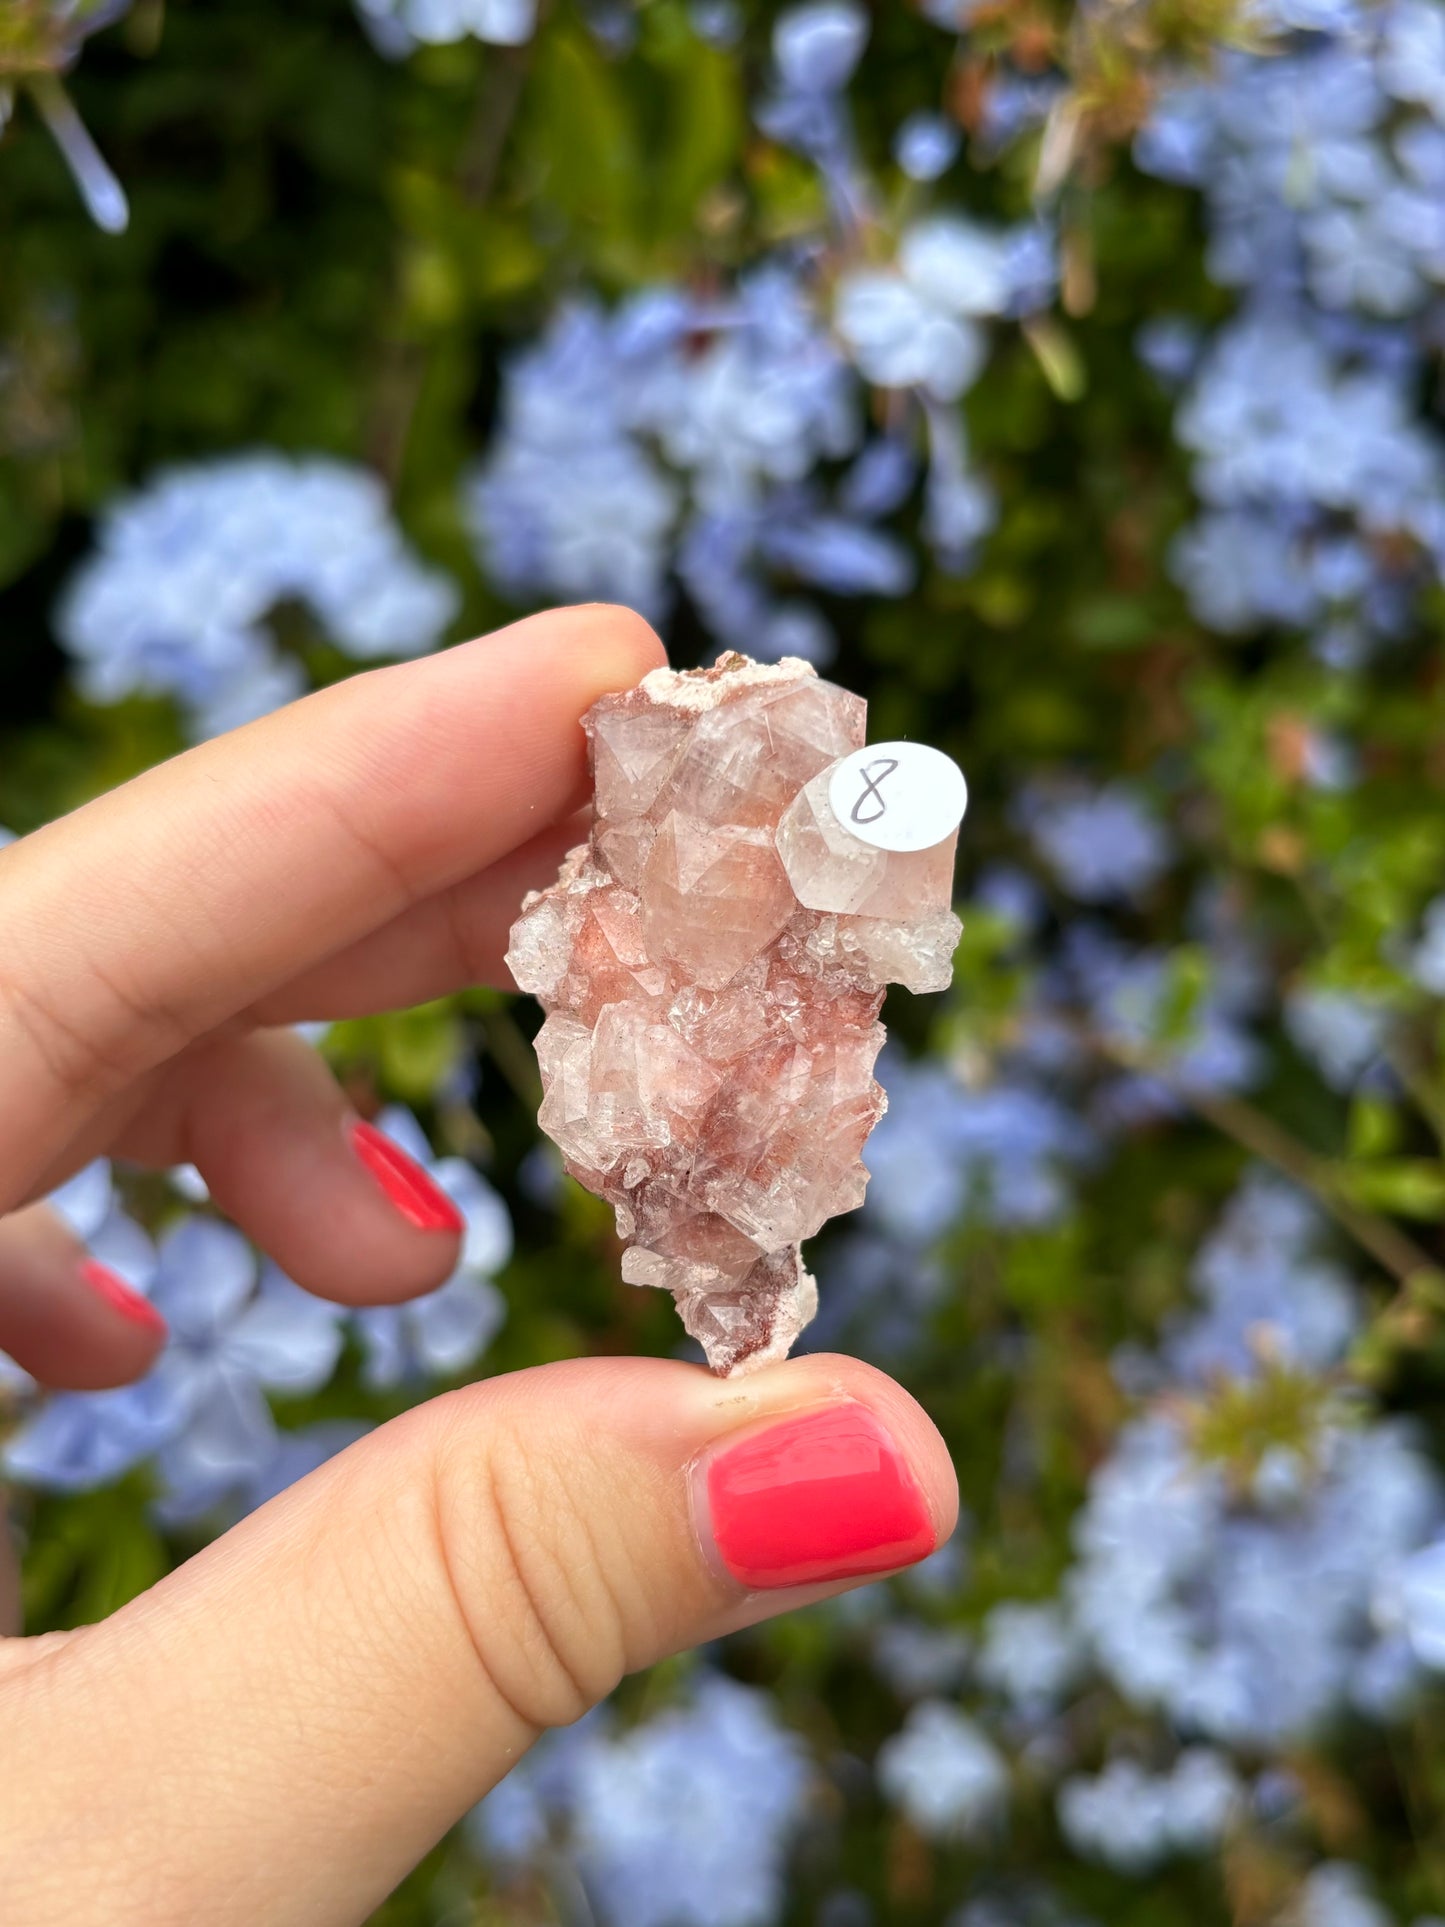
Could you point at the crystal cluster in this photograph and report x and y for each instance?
(712, 964)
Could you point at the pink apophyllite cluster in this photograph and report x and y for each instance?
(712, 964)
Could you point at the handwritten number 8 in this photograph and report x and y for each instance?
(874, 774)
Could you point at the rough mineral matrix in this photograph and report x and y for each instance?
(712, 964)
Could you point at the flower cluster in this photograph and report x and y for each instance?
(683, 1821)
(1250, 1615)
(187, 574)
(239, 1330)
(397, 26)
(682, 441)
(1132, 1819)
(1322, 169)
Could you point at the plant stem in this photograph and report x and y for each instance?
(1386, 1243)
(1396, 1253)
(404, 363)
(512, 1055)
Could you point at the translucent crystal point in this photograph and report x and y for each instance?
(712, 963)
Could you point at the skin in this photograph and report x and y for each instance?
(282, 1727)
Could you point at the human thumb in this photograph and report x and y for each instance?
(284, 1726)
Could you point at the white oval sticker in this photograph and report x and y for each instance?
(898, 796)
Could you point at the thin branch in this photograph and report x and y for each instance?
(405, 364)
(486, 138)
(1396, 1051)
(1386, 1243)
(512, 1055)
(1390, 1247)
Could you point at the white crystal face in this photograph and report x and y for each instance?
(712, 965)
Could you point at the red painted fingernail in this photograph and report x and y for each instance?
(421, 1202)
(824, 1496)
(118, 1295)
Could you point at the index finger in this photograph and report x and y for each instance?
(152, 915)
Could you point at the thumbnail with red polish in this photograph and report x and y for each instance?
(824, 1496)
(404, 1183)
(116, 1293)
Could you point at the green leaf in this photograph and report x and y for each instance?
(1374, 1127)
(584, 145)
(1413, 1187)
(704, 127)
(1113, 622)
(90, 1554)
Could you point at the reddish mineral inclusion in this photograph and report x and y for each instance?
(712, 964)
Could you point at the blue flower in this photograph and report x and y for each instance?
(1251, 1624)
(916, 326)
(1306, 16)
(1127, 995)
(1338, 1895)
(1427, 961)
(1243, 570)
(1169, 348)
(234, 1335)
(176, 599)
(917, 1659)
(944, 1772)
(719, 22)
(1003, 1149)
(568, 503)
(958, 508)
(681, 1822)
(760, 403)
(815, 50)
(817, 46)
(1366, 257)
(955, 16)
(1340, 1030)
(1031, 1654)
(78, 1440)
(926, 146)
(1178, 139)
(201, 1408)
(840, 555)
(1412, 54)
(880, 480)
(1100, 843)
(741, 399)
(399, 25)
(1411, 1600)
(1132, 1819)
(1264, 1292)
(1013, 104)
(1273, 416)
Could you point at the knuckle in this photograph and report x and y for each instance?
(469, 935)
(83, 1058)
(84, 1012)
(531, 1577)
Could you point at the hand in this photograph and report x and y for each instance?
(282, 1727)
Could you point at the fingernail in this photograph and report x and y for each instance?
(108, 1285)
(405, 1185)
(827, 1495)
